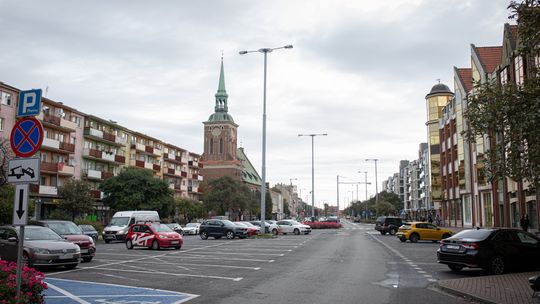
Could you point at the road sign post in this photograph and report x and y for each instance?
(24, 170)
(29, 103)
(20, 207)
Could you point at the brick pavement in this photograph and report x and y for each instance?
(510, 288)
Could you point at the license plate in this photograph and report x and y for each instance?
(84, 250)
(452, 246)
(67, 256)
(174, 242)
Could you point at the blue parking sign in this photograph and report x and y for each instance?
(29, 103)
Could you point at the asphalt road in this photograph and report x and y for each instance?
(352, 265)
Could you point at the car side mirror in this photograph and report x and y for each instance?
(13, 239)
(222, 225)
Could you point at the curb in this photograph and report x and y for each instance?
(463, 294)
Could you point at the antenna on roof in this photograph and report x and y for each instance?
(438, 80)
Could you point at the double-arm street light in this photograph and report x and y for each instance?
(312, 172)
(265, 51)
(376, 189)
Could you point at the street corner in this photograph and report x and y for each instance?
(61, 291)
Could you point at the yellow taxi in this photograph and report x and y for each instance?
(416, 231)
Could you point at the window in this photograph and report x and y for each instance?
(6, 98)
(221, 146)
(76, 120)
(518, 66)
(1, 124)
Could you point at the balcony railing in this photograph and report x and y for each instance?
(120, 159)
(49, 167)
(48, 190)
(96, 194)
(67, 147)
(93, 174)
(106, 174)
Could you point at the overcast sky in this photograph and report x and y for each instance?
(359, 71)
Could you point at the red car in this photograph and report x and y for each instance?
(153, 235)
(251, 229)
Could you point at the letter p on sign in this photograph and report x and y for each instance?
(29, 103)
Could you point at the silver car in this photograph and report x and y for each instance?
(192, 228)
(42, 247)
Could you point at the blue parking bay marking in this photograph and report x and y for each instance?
(61, 291)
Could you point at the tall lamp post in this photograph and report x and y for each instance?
(376, 189)
(365, 175)
(265, 51)
(312, 172)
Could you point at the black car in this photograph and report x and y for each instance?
(495, 250)
(90, 231)
(218, 228)
(388, 224)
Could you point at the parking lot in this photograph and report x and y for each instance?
(221, 265)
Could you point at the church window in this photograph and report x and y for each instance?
(221, 146)
(211, 146)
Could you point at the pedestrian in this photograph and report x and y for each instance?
(430, 219)
(524, 222)
(437, 219)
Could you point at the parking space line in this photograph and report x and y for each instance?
(163, 262)
(129, 261)
(209, 257)
(172, 274)
(245, 253)
(67, 294)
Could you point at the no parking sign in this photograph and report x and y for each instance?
(26, 137)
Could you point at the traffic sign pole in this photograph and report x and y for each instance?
(19, 262)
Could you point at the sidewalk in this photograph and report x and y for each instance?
(501, 289)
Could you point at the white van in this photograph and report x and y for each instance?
(121, 220)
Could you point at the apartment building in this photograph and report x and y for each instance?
(83, 146)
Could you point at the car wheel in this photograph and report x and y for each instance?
(296, 231)
(230, 235)
(204, 235)
(446, 235)
(403, 239)
(414, 238)
(456, 268)
(393, 231)
(274, 231)
(155, 245)
(71, 266)
(107, 241)
(383, 232)
(129, 244)
(496, 265)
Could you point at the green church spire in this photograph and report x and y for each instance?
(221, 95)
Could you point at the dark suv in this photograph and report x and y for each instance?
(388, 224)
(218, 228)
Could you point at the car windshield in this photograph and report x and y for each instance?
(65, 228)
(473, 234)
(161, 228)
(119, 221)
(41, 234)
(88, 228)
(240, 224)
(192, 225)
(248, 224)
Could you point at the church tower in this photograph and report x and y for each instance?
(220, 139)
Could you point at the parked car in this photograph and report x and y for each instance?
(291, 226)
(90, 231)
(388, 224)
(153, 235)
(176, 228)
(270, 226)
(252, 229)
(192, 228)
(495, 250)
(42, 247)
(72, 233)
(416, 231)
(218, 228)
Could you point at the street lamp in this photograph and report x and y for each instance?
(265, 51)
(376, 189)
(365, 174)
(312, 172)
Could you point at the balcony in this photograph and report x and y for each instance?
(58, 123)
(106, 175)
(120, 140)
(102, 136)
(64, 169)
(138, 147)
(200, 178)
(173, 158)
(93, 174)
(103, 156)
(48, 190)
(96, 194)
(120, 159)
(58, 168)
(183, 187)
(57, 146)
(142, 164)
(183, 174)
(193, 163)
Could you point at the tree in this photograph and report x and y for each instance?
(5, 156)
(188, 208)
(385, 208)
(226, 195)
(286, 210)
(137, 189)
(76, 199)
(7, 197)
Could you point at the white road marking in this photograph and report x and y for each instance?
(200, 265)
(67, 294)
(176, 274)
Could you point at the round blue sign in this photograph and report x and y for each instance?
(26, 137)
